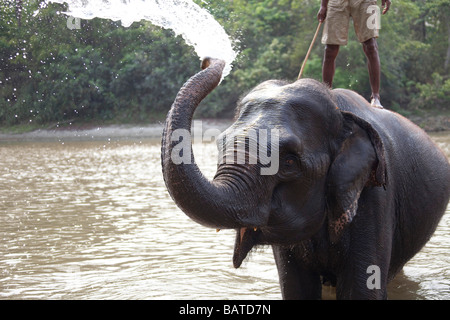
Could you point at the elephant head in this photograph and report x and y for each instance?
(325, 157)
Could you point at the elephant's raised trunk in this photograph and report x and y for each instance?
(211, 203)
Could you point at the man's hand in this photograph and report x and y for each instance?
(322, 14)
(385, 4)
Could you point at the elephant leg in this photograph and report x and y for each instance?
(364, 272)
(296, 281)
(361, 283)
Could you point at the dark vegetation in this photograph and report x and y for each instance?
(105, 73)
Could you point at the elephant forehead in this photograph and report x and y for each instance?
(298, 105)
(273, 99)
(270, 93)
(255, 121)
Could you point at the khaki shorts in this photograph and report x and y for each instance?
(335, 29)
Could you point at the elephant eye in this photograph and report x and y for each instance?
(290, 161)
(290, 168)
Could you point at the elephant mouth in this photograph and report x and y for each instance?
(246, 238)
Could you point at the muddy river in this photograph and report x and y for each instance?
(88, 216)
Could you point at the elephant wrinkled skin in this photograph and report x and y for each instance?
(356, 187)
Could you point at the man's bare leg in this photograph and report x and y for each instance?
(329, 65)
(370, 48)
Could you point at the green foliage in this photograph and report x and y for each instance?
(103, 71)
(433, 95)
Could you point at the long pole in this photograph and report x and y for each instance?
(309, 50)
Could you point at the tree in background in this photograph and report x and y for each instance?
(104, 72)
(51, 74)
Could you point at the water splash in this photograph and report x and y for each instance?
(195, 24)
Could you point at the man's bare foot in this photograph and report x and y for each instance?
(376, 103)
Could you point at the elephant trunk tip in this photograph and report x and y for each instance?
(206, 61)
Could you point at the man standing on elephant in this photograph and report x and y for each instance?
(336, 14)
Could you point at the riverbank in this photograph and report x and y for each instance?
(89, 131)
(432, 123)
(92, 131)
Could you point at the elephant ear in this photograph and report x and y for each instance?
(359, 163)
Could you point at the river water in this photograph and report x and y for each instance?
(89, 217)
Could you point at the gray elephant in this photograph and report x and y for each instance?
(357, 190)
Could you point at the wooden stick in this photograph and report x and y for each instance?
(309, 50)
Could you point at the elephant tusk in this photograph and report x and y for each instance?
(241, 233)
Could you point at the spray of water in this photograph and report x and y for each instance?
(195, 24)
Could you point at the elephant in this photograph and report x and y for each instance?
(358, 190)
